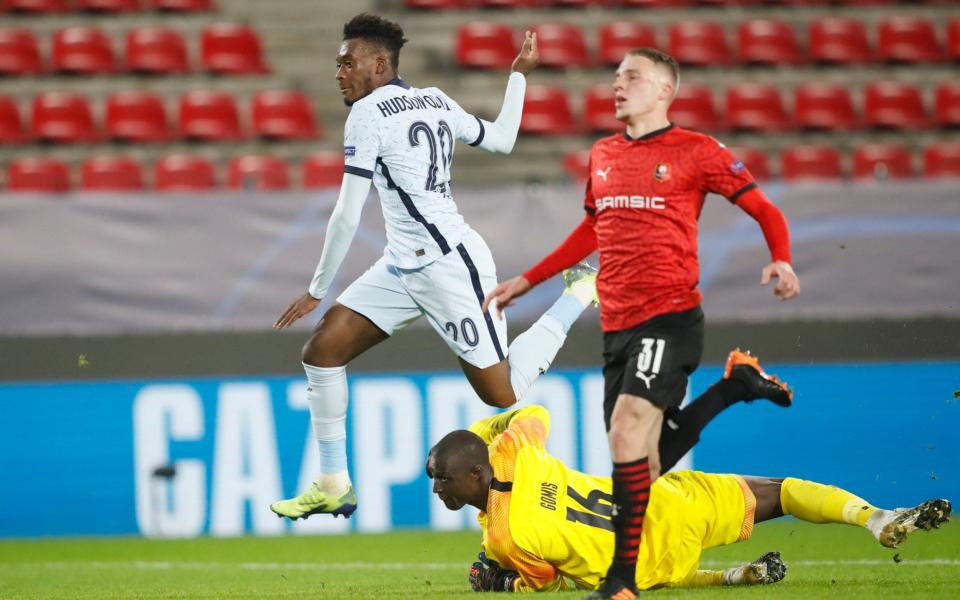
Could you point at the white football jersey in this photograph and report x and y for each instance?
(403, 138)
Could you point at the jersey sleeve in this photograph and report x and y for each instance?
(361, 140)
(722, 173)
(466, 127)
(536, 574)
(532, 424)
(589, 202)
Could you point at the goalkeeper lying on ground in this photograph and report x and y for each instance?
(546, 525)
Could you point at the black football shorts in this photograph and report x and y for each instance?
(652, 360)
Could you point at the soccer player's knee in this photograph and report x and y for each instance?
(504, 399)
(315, 352)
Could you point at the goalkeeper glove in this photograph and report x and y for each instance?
(487, 576)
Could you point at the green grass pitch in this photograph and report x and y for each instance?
(823, 560)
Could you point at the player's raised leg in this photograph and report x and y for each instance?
(340, 337)
(532, 352)
(744, 380)
(818, 503)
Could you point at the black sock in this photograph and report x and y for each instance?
(681, 428)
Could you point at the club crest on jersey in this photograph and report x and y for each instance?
(737, 167)
(349, 151)
(662, 172)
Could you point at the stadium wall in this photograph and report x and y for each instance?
(206, 456)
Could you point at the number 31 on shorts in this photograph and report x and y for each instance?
(650, 359)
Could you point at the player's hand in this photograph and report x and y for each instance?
(487, 576)
(788, 284)
(506, 293)
(529, 56)
(299, 307)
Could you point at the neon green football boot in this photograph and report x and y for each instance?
(313, 502)
(581, 281)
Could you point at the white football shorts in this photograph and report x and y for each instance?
(448, 291)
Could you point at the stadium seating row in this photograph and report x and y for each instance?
(830, 40)
(806, 162)
(174, 173)
(758, 107)
(103, 6)
(182, 173)
(135, 116)
(225, 49)
(509, 4)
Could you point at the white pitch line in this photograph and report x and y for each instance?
(407, 566)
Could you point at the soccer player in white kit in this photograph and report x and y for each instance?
(401, 139)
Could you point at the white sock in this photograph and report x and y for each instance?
(533, 350)
(327, 394)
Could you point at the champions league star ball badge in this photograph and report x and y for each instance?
(662, 172)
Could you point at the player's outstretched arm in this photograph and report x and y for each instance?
(581, 242)
(501, 135)
(777, 234)
(340, 231)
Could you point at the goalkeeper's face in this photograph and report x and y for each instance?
(455, 481)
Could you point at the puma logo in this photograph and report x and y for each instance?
(604, 172)
(646, 378)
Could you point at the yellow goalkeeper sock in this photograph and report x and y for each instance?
(818, 503)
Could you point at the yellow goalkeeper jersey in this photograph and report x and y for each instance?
(552, 524)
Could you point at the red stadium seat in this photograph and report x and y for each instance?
(322, 170)
(284, 115)
(811, 162)
(483, 45)
(62, 117)
(953, 39)
(209, 116)
(894, 105)
(659, 3)
(82, 50)
(111, 173)
(699, 43)
(755, 107)
(258, 172)
(618, 37)
(34, 6)
(904, 39)
(561, 45)
(11, 125)
(183, 5)
(108, 6)
(19, 52)
(157, 51)
(184, 173)
(755, 160)
(506, 3)
(231, 49)
(823, 106)
(598, 111)
(577, 165)
(942, 160)
(693, 108)
(840, 41)
(768, 42)
(434, 4)
(546, 111)
(882, 161)
(134, 116)
(948, 104)
(38, 175)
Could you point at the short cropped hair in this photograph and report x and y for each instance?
(380, 32)
(659, 57)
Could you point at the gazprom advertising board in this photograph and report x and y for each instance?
(208, 456)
